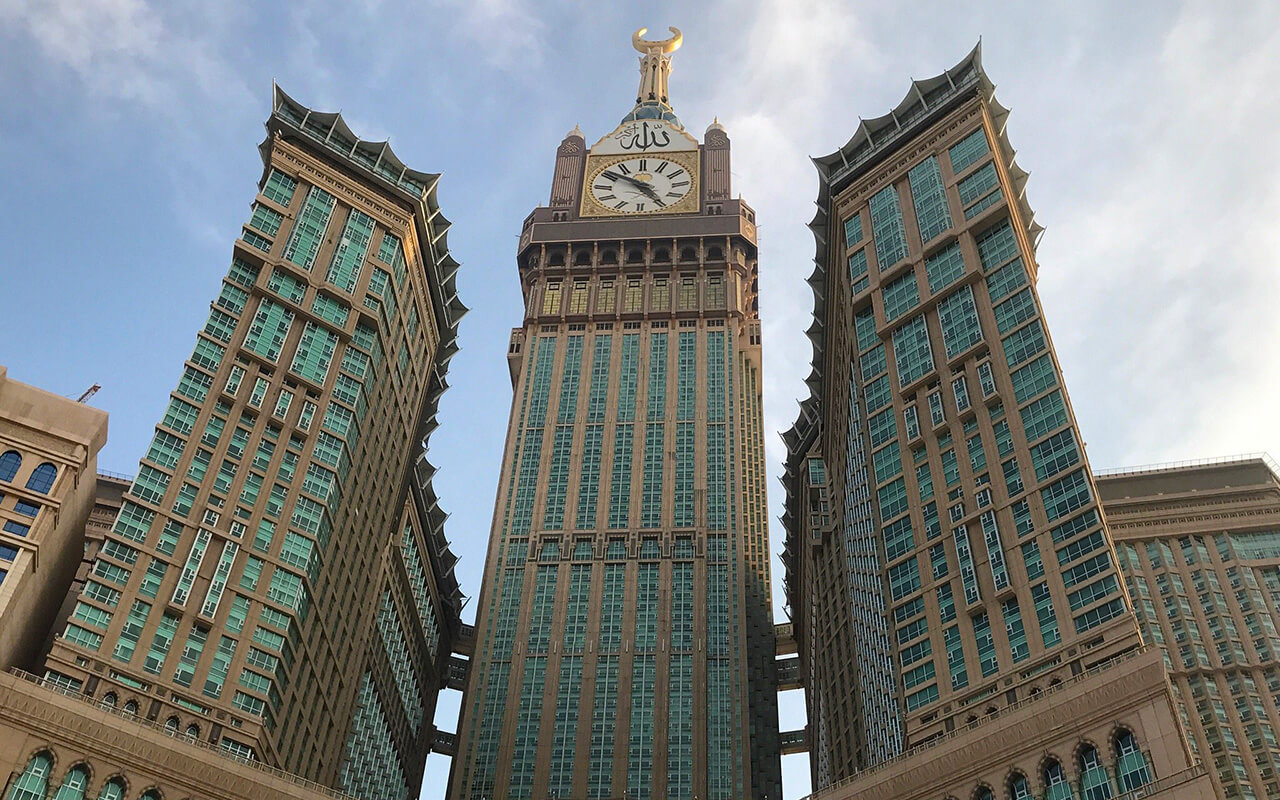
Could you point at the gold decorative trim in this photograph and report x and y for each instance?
(688, 204)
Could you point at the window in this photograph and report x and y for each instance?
(1094, 781)
(1131, 765)
(900, 295)
(932, 215)
(33, 783)
(9, 464)
(42, 478)
(887, 227)
(912, 354)
(944, 268)
(968, 150)
(961, 390)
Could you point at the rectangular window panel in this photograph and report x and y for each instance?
(269, 330)
(315, 353)
(930, 201)
(944, 267)
(1024, 343)
(900, 296)
(968, 150)
(959, 318)
(308, 230)
(887, 227)
(348, 256)
(913, 357)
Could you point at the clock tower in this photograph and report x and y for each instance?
(624, 637)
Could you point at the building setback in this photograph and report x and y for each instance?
(1199, 546)
(624, 643)
(276, 595)
(962, 625)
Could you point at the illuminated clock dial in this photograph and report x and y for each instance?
(641, 185)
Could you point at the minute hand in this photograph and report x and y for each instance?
(645, 188)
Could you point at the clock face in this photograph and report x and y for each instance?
(641, 185)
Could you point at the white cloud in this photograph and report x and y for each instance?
(128, 50)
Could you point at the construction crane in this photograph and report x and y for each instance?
(90, 392)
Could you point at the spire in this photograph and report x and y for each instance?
(652, 101)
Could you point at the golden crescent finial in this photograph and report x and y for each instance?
(667, 46)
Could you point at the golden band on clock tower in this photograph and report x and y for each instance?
(689, 202)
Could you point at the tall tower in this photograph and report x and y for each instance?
(962, 622)
(276, 584)
(624, 638)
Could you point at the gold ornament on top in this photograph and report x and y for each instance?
(655, 64)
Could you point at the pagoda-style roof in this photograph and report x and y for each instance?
(376, 163)
(926, 102)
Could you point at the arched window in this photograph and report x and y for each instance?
(556, 259)
(151, 794)
(113, 789)
(635, 256)
(1095, 784)
(983, 793)
(74, 784)
(1055, 782)
(608, 257)
(193, 731)
(688, 254)
(33, 783)
(171, 724)
(1131, 765)
(1019, 787)
(9, 463)
(41, 479)
(109, 700)
(661, 255)
(131, 708)
(715, 254)
(582, 258)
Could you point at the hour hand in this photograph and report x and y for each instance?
(644, 188)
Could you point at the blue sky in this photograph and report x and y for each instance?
(128, 157)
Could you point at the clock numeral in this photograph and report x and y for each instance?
(623, 169)
(644, 165)
(605, 197)
(662, 167)
(679, 183)
(676, 195)
(676, 174)
(639, 206)
(620, 204)
(603, 187)
(659, 202)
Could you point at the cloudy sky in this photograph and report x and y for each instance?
(128, 160)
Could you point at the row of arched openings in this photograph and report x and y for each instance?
(109, 701)
(36, 782)
(634, 256)
(1093, 781)
(41, 479)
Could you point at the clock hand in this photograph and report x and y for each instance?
(644, 188)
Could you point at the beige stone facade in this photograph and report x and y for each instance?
(624, 641)
(275, 593)
(48, 464)
(92, 748)
(962, 625)
(1199, 545)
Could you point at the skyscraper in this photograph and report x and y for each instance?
(624, 637)
(961, 620)
(276, 584)
(1199, 546)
